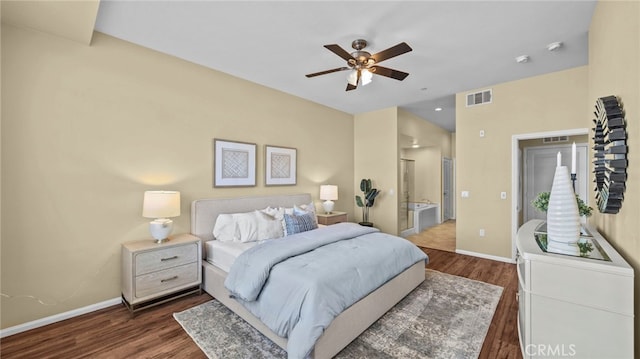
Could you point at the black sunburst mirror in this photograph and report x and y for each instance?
(610, 146)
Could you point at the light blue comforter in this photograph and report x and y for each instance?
(298, 284)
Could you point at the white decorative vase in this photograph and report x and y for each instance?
(563, 218)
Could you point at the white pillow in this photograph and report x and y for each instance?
(225, 228)
(249, 227)
(303, 208)
(277, 213)
(269, 227)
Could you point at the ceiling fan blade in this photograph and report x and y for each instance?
(327, 72)
(393, 51)
(385, 71)
(336, 49)
(353, 87)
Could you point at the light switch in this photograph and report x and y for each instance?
(465, 194)
(503, 195)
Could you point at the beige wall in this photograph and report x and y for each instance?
(428, 173)
(87, 129)
(73, 19)
(483, 164)
(426, 133)
(614, 69)
(377, 157)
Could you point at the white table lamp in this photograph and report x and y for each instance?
(161, 205)
(328, 193)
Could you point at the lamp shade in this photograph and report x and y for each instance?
(161, 204)
(366, 77)
(352, 78)
(329, 192)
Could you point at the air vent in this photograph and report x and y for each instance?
(479, 98)
(555, 139)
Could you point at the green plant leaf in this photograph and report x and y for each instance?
(363, 185)
(541, 203)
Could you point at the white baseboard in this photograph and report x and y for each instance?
(486, 256)
(58, 317)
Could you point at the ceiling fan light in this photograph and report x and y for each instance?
(366, 77)
(352, 78)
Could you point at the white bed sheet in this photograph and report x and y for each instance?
(223, 254)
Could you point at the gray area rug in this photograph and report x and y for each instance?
(444, 317)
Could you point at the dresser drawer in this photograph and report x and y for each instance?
(157, 282)
(151, 261)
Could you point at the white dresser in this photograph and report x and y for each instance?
(154, 273)
(570, 306)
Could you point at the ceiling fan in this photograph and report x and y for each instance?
(363, 65)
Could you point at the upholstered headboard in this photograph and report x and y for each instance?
(205, 211)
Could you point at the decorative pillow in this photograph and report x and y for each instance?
(269, 227)
(277, 213)
(297, 224)
(225, 228)
(298, 210)
(256, 226)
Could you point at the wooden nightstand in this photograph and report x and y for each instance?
(155, 273)
(331, 218)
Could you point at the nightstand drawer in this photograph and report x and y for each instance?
(333, 218)
(152, 261)
(156, 282)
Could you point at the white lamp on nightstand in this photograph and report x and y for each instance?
(328, 193)
(161, 205)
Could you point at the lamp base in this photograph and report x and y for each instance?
(328, 206)
(160, 229)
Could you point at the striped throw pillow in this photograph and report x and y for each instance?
(299, 223)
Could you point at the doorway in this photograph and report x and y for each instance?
(517, 174)
(539, 168)
(442, 234)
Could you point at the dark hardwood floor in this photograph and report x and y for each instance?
(112, 333)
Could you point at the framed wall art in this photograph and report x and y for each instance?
(234, 164)
(280, 166)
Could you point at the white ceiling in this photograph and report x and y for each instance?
(457, 45)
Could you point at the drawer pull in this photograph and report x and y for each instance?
(168, 258)
(169, 279)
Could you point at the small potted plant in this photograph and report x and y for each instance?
(541, 203)
(366, 201)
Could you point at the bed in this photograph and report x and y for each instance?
(345, 327)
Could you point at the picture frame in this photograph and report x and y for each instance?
(234, 163)
(280, 166)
